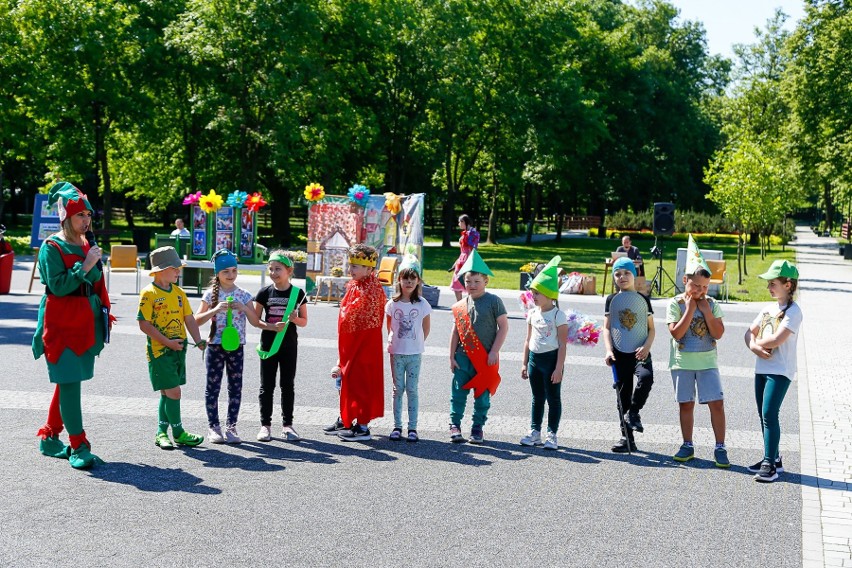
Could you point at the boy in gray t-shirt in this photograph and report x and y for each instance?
(481, 327)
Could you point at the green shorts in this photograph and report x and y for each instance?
(168, 370)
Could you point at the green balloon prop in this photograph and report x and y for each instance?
(230, 335)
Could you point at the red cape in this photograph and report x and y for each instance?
(360, 344)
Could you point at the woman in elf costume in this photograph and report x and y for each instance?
(73, 318)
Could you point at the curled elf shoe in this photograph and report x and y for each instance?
(53, 447)
(163, 441)
(83, 458)
(187, 439)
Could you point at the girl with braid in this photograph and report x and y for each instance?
(772, 338)
(224, 295)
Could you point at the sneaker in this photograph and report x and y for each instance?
(214, 434)
(550, 442)
(476, 435)
(767, 474)
(685, 453)
(163, 441)
(231, 435)
(621, 446)
(335, 427)
(532, 439)
(721, 457)
(187, 439)
(358, 433)
(264, 434)
(53, 447)
(83, 458)
(396, 435)
(290, 434)
(632, 420)
(456, 435)
(779, 467)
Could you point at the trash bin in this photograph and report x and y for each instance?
(142, 240)
(6, 262)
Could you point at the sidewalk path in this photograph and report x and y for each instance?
(825, 401)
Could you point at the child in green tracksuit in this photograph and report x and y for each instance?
(164, 316)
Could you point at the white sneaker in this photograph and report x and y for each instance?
(231, 436)
(264, 435)
(214, 435)
(532, 439)
(550, 443)
(290, 434)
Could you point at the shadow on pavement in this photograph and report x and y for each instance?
(462, 454)
(292, 451)
(151, 478)
(212, 457)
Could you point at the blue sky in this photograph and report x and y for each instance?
(733, 21)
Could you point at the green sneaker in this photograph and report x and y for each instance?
(163, 441)
(721, 455)
(53, 447)
(187, 439)
(83, 458)
(685, 453)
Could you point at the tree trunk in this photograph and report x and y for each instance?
(449, 203)
(513, 212)
(279, 194)
(739, 259)
(102, 161)
(492, 214)
(829, 206)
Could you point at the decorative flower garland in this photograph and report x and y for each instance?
(211, 202)
(192, 198)
(393, 203)
(255, 201)
(314, 192)
(237, 199)
(359, 195)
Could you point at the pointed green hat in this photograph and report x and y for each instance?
(474, 264)
(546, 282)
(694, 260)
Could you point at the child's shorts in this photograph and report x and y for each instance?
(708, 382)
(168, 370)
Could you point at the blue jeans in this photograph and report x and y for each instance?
(769, 393)
(539, 370)
(458, 396)
(406, 371)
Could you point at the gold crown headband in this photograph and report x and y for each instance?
(364, 259)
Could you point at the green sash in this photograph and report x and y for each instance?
(279, 337)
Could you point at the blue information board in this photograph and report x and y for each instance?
(45, 220)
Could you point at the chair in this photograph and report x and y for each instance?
(719, 276)
(124, 258)
(387, 268)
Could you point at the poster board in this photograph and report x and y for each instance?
(45, 220)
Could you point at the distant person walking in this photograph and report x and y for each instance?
(468, 241)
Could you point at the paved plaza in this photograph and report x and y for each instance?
(323, 502)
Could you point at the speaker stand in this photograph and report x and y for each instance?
(663, 279)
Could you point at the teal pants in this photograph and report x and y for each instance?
(769, 393)
(458, 400)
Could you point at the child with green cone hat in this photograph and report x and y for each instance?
(695, 323)
(72, 321)
(544, 353)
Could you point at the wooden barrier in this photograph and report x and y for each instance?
(581, 222)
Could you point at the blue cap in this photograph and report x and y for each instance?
(623, 263)
(223, 259)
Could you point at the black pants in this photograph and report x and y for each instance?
(627, 367)
(283, 364)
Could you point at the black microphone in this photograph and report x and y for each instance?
(90, 236)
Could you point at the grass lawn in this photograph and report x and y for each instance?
(586, 255)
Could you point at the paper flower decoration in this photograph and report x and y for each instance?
(192, 198)
(255, 201)
(392, 203)
(582, 330)
(525, 300)
(314, 192)
(359, 195)
(237, 198)
(211, 202)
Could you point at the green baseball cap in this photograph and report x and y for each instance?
(781, 269)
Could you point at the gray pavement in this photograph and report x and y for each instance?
(323, 502)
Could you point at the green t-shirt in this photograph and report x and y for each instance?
(696, 350)
(484, 312)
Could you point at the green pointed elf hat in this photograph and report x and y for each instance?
(474, 263)
(694, 260)
(546, 282)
